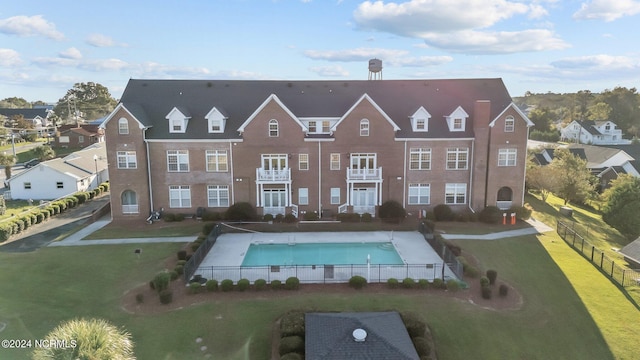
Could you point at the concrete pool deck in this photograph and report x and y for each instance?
(225, 258)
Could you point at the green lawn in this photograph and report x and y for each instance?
(570, 310)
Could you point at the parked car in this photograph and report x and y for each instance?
(31, 163)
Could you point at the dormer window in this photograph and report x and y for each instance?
(457, 121)
(364, 127)
(273, 128)
(420, 120)
(178, 120)
(216, 121)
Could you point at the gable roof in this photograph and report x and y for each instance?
(595, 155)
(518, 110)
(28, 114)
(632, 250)
(149, 101)
(329, 336)
(367, 98)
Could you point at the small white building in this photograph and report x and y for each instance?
(80, 171)
(601, 132)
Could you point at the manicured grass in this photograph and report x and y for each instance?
(41, 289)
(16, 207)
(144, 230)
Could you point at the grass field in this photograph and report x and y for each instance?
(570, 310)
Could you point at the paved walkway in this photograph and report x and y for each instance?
(537, 227)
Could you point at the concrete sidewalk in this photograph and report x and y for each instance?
(537, 227)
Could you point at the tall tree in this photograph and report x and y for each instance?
(44, 152)
(622, 205)
(625, 106)
(574, 180)
(582, 99)
(7, 161)
(15, 103)
(85, 100)
(599, 111)
(543, 118)
(94, 339)
(541, 177)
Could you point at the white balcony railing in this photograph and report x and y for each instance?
(273, 175)
(503, 205)
(365, 174)
(274, 210)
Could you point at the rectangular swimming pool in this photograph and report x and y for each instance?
(321, 254)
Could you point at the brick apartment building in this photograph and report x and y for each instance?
(314, 146)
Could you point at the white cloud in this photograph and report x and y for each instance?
(30, 26)
(597, 62)
(358, 54)
(99, 40)
(99, 65)
(607, 10)
(330, 71)
(9, 58)
(460, 26)
(70, 53)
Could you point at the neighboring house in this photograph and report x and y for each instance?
(607, 163)
(357, 336)
(80, 171)
(78, 135)
(39, 117)
(631, 253)
(315, 146)
(601, 132)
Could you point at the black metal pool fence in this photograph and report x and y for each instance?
(374, 273)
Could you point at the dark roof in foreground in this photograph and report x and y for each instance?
(329, 336)
(151, 100)
(632, 250)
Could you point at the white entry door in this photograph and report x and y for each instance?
(274, 200)
(364, 200)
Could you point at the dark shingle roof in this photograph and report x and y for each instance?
(329, 336)
(632, 250)
(151, 100)
(26, 113)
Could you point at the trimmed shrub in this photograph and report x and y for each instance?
(492, 275)
(241, 211)
(81, 197)
(421, 345)
(174, 275)
(195, 287)
(468, 269)
(484, 281)
(290, 218)
(348, 217)
(211, 285)
(291, 344)
(486, 292)
(195, 246)
(393, 283)
(279, 218)
(226, 285)
(212, 216)
(522, 212)
(276, 284)
(208, 227)
(260, 284)
(243, 284)
(310, 216)
(292, 323)
(490, 215)
(443, 212)
(392, 210)
(453, 285)
(179, 217)
(179, 269)
(5, 232)
(139, 298)
(267, 217)
(439, 283)
(408, 283)
(292, 283)
(168, 217)
(166, 296)
(161, 281)
(366, 217)
(357, 282)
(503, 290)
(181, 262)
(423, 284)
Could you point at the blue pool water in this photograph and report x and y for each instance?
(321, 254)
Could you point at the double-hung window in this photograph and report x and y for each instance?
(509, 124)
(217, 161)
(507, 157)
(177, 160)
(126, 159)
(455, 194)
(457, 158)
(179, 196)
(420, 159)
(218, 195)
(419, 194)
(335, 161)
(303, 161)
(335, 196)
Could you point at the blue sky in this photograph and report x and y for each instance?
(534, 45)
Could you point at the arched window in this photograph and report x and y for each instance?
(273, 128)
(505, 194)
(364, 127)
(123, 126)
(509, 124)
(129, 202)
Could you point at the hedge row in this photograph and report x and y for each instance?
(37, 215)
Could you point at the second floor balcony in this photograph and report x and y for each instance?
(367, 175)
(273, 176)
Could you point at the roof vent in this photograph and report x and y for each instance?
(359, 335)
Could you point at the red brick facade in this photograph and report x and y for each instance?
(286, 156)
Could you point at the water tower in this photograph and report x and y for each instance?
(375, 69)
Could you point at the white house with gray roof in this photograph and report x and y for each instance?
(80, 171)
(600, 132)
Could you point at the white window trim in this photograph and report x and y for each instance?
(216, 165)
(335, 196)
(509, 124)
(418, 192)
(178, 121)
(129, 160)
(183, 197)
(218, 195)
(335, 161)
(215, 117)
(457, 151)
(303, 196)
(182, 158)
(123, 126)
(420, 152)
(420, 115)
(455, 190)
(364, 127)
(458, 113)
(303, 162)
(276, 128)
(507, 157)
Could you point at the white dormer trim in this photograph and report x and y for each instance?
(216, 121)
(517, 109)
(378, 108)
(178, 120)
(421, 115)
(457, 120)
(119, 107)
(275, 98)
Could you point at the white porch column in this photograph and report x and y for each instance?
(258, 193)
(289, 194)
